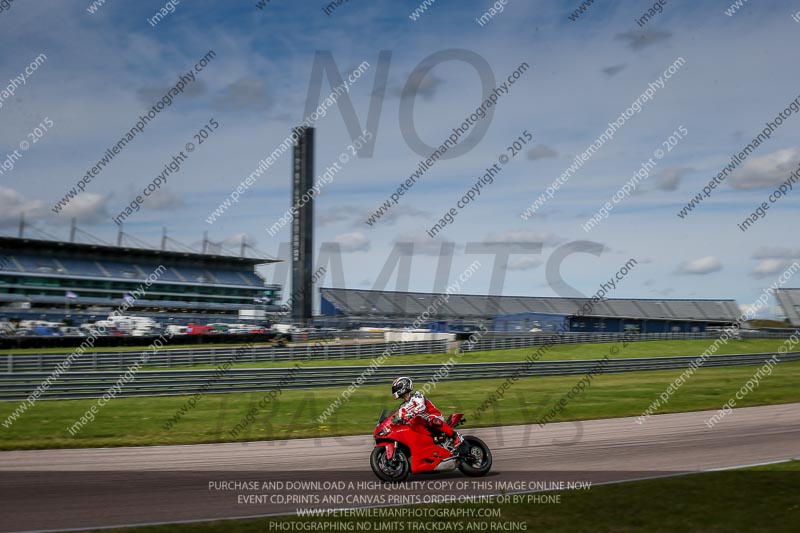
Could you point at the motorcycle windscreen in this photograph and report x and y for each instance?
(385, 413)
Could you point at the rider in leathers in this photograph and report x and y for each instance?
(416, 405)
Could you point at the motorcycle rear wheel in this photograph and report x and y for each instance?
(479, 460)
(395, 470)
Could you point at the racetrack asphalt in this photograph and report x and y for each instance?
(102, 487)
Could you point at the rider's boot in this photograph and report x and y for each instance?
(452, 443)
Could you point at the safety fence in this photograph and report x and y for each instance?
(330, 348)
(75, 385)
(321, 350)
(506, 341)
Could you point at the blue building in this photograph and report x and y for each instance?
(524, 313)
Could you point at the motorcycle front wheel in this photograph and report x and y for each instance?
(392, 470)
(478, 461)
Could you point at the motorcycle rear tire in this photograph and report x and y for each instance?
(486, 460)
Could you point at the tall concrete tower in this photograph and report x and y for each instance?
(302, 225)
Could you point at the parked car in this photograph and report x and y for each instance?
(196, 329)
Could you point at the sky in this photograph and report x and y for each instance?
(106, 65)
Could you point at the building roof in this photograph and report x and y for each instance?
(790, 302)
(354, 302)
(103, 250)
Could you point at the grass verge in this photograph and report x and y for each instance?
(141, 421)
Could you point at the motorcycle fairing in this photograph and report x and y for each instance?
(425, 454)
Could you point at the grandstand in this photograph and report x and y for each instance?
(790, 302)
(37, 275)
(523, 313)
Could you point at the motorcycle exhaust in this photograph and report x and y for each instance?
(447, 465)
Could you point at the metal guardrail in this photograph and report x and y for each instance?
(194, 356)
(501, 341)
(309, 336)
(76, 385)
(322, 350)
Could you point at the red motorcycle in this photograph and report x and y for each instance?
(403, 448)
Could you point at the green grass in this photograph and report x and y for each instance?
(754, 499)
(556, 353)
(138, 421)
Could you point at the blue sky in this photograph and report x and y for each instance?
(106, 68)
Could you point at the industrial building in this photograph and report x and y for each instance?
(789, 299)
(525, 313)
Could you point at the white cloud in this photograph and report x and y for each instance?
(766, 171)
(545, 237)
(234, 241)
(244, 94)
(88, 207)
(393, 215)
(425, 245)
(769, 267)
(524, 263)
(13, 204)
(670, 178)
(760, 312)
(352, 242)
(701, 266)
(163, 199)
(335, 214)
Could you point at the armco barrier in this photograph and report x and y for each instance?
(75, 385)
(504, 341)
(26, 362)
(321, 349)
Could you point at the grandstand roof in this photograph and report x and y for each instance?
(47, 246)
(790, 302)
(356, 302)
